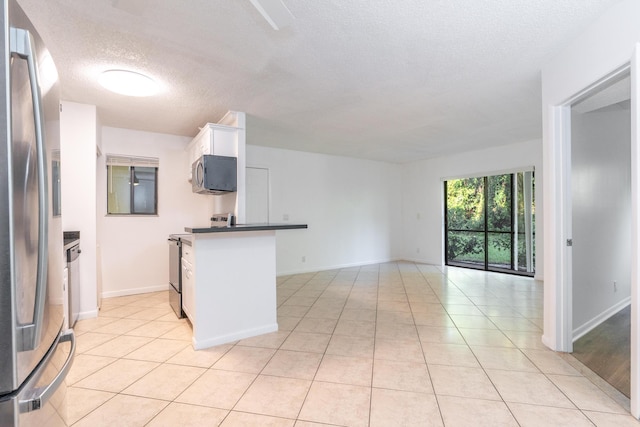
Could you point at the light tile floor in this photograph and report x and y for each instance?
(392, 344)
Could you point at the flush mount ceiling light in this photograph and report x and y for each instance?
(48, 72)
(128, 83)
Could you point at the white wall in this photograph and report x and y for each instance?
(423, 195)
(78, 139)
(601, 215)
(57, 258)
(602, 48)
(352, 207)
(134, 248)
(239, 120)
(355, 208)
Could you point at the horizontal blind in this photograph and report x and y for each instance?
(120, 160)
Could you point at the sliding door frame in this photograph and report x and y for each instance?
(512, 232)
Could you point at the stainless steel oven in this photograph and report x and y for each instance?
(175, 278)
(73, 285)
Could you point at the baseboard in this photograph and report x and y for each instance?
(224, 339)
(356, 264)
(421, 261)
(593, 323)
(547, 342)
(88, 314)
(334, 267)
(134, 291)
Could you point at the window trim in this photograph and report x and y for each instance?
(132, 162)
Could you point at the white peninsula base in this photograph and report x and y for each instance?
(231, 294)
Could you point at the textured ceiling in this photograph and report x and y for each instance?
(394, 80)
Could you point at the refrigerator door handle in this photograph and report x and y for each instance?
(38, 397)
(22, 45)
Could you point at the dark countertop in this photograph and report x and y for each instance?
(184, 238)
(70, 239)
(179, 236)
(245, 227)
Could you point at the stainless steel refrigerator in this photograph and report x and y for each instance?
(35, 352)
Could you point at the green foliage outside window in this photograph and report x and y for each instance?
(479, 218)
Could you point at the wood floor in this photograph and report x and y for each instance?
(606, 350)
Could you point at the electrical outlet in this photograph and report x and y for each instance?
(285, 217)
(418, 250)
(615, 286)
(304, 258)
(418, 215)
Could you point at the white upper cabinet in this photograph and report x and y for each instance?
(220, 140)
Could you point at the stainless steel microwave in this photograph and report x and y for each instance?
(213, 174)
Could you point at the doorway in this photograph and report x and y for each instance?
(601, 222)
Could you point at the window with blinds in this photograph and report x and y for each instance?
(132, 185)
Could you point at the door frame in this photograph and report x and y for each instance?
(267, 169)
(560, 116)
(635, 233)
(513, 212)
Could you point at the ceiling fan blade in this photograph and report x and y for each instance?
(134, 7)
(275, 12)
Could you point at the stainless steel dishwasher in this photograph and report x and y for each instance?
(73, 266)
(175, 276)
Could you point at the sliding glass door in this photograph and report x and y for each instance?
(465, 218)
(489, 222)
(499, 222)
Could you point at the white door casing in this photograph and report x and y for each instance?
(635, 233)
(564, 292)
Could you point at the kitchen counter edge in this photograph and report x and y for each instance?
(245, 227)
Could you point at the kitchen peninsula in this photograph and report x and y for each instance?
(229, 281)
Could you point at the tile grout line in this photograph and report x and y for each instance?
(478, 361)
(504, 402)
(424, 357)
(389, 286)
(373, 356)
